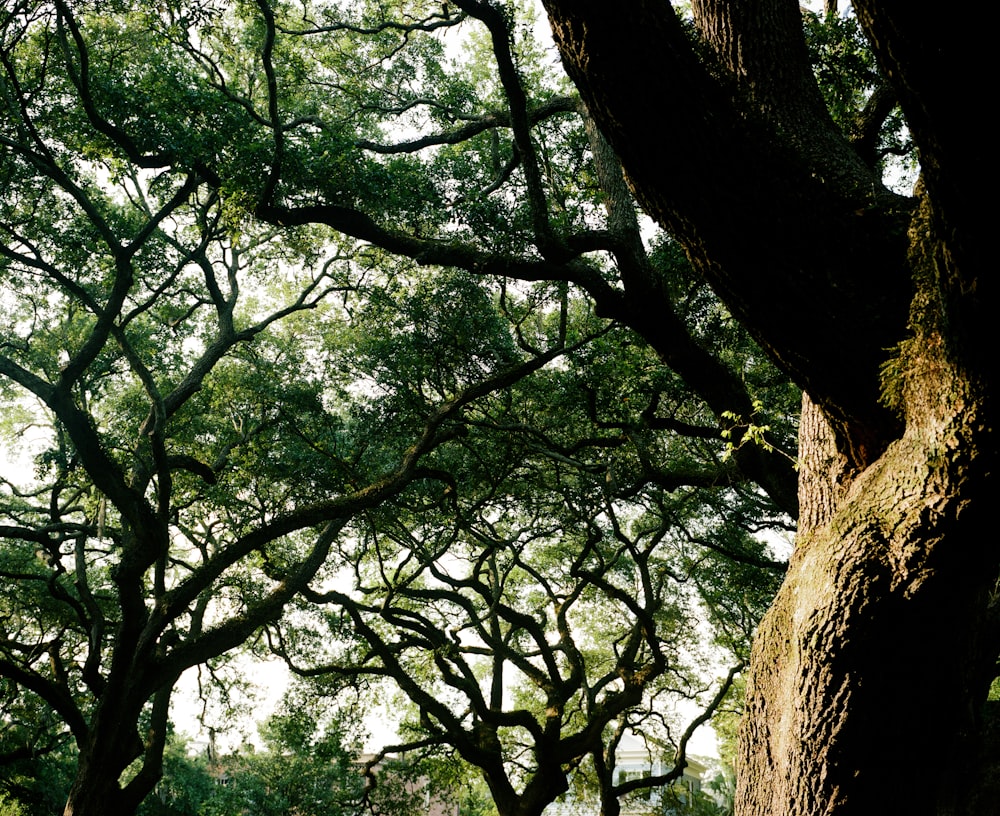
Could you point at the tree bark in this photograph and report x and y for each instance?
(870, 672)
(870, 669)
(110, 747)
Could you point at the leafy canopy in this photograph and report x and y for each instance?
(331, 328)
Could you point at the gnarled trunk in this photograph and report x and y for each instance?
(111, 744)
(96, 790)
(870, 669)
(870, 672)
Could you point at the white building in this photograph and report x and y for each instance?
(635, 760)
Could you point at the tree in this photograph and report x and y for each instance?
(879, 306)
(196, 470)
(37, 761)
(523, 660)
(306, 766)
(187, 782)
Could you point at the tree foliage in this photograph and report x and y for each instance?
(305, 766)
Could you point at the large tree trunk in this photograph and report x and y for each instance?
(95, 789)
(112, 743)
(93, 794)
(870, 669)
(870, 672)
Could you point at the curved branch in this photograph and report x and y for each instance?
(800, 247)
(80, 77)
(54, 695)
(867, 125)
(497, 24)
(334, 512)
(274, 171)
(480, 124)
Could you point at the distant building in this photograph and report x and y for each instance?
(635, 760)
(416, 792)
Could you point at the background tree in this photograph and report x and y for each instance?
(174, 510)
(187, 182)
(186, 785)
(552, 586)
(307, 765)
(37, 762)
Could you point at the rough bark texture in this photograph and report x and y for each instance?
(871, 665)
(870, 672)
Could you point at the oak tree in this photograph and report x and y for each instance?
(881, 646)
(198, 461)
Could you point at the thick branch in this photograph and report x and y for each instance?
(810, 260)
